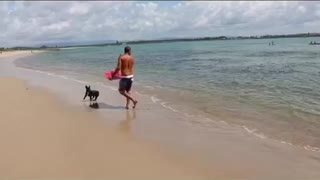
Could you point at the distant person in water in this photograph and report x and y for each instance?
(126, 67)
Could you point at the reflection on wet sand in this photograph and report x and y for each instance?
(125, 125)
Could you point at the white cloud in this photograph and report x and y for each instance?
(79, 9)
(32, 22)
(57, 26)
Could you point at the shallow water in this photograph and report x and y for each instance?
(269, 91)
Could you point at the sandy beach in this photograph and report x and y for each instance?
(42, 138)
(18, 53)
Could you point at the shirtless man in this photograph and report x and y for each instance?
(126, 67)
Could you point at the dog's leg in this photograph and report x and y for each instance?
(90, 100)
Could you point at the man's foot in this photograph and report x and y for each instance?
(134, 104)
(127, 107)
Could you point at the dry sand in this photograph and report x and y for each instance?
(17, 54)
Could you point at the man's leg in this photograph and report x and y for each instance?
(125, 94)
(128, 89)
(128, 101)
(124, 89)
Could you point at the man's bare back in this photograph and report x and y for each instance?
(126, 65)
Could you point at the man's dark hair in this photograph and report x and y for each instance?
(127, 49)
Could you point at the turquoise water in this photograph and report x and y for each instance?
(270, 90)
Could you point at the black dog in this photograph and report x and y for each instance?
(93, 94)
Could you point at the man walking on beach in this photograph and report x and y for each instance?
(126, 67)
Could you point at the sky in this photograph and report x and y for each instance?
(35, 22)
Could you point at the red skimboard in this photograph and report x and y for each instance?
(108, 75)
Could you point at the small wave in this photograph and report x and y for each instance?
(168, 107)
(262, 136)
(80, 81)
(154, 99)
(56, 75)
(284, 142)
(149, 87)
(249, 130)
(38, 71)
(253, 132)
(309, 148)
(223, 122)
(140, 94)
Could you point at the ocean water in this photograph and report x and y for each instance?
(270, 91)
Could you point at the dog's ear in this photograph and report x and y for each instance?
(86, 86)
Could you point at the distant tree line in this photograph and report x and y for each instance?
(226, 38)
(117, 43)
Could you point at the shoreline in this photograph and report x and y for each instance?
(230, 118)
(222, 145)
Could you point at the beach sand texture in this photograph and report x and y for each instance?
(42, 138)
(39, 138)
